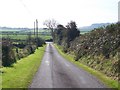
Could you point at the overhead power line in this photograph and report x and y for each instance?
(27, 9)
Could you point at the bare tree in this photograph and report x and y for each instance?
(51, 24)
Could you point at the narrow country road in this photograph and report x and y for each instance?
(57, 72)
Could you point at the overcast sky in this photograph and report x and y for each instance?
(22, 13)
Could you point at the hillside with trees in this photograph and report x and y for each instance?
(98, 49)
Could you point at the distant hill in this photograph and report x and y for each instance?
(85, 28)
(10, 28)
(95, 25)
(17, 29)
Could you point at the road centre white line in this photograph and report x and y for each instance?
(47, 62)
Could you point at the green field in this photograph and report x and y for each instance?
(23, 34)
(23, 37)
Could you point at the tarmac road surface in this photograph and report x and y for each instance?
(56, 72)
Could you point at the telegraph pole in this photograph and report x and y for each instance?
(37, 32)
(36, 28)
(119, 11)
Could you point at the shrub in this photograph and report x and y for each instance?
(8, 56)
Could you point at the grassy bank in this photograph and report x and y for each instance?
(22, 72)
(103, 78)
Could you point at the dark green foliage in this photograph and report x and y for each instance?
(11, 52)
(39, 42)
(8, 56)
(72, 31)
(59, 34)
(20, 45)
(64, 35)
(49, 40)
(29, 47)
(35, 41)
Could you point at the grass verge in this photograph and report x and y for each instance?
(102, 77)
(21, 73)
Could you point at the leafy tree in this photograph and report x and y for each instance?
(59, 34)
(64, 35)
(73, 32)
